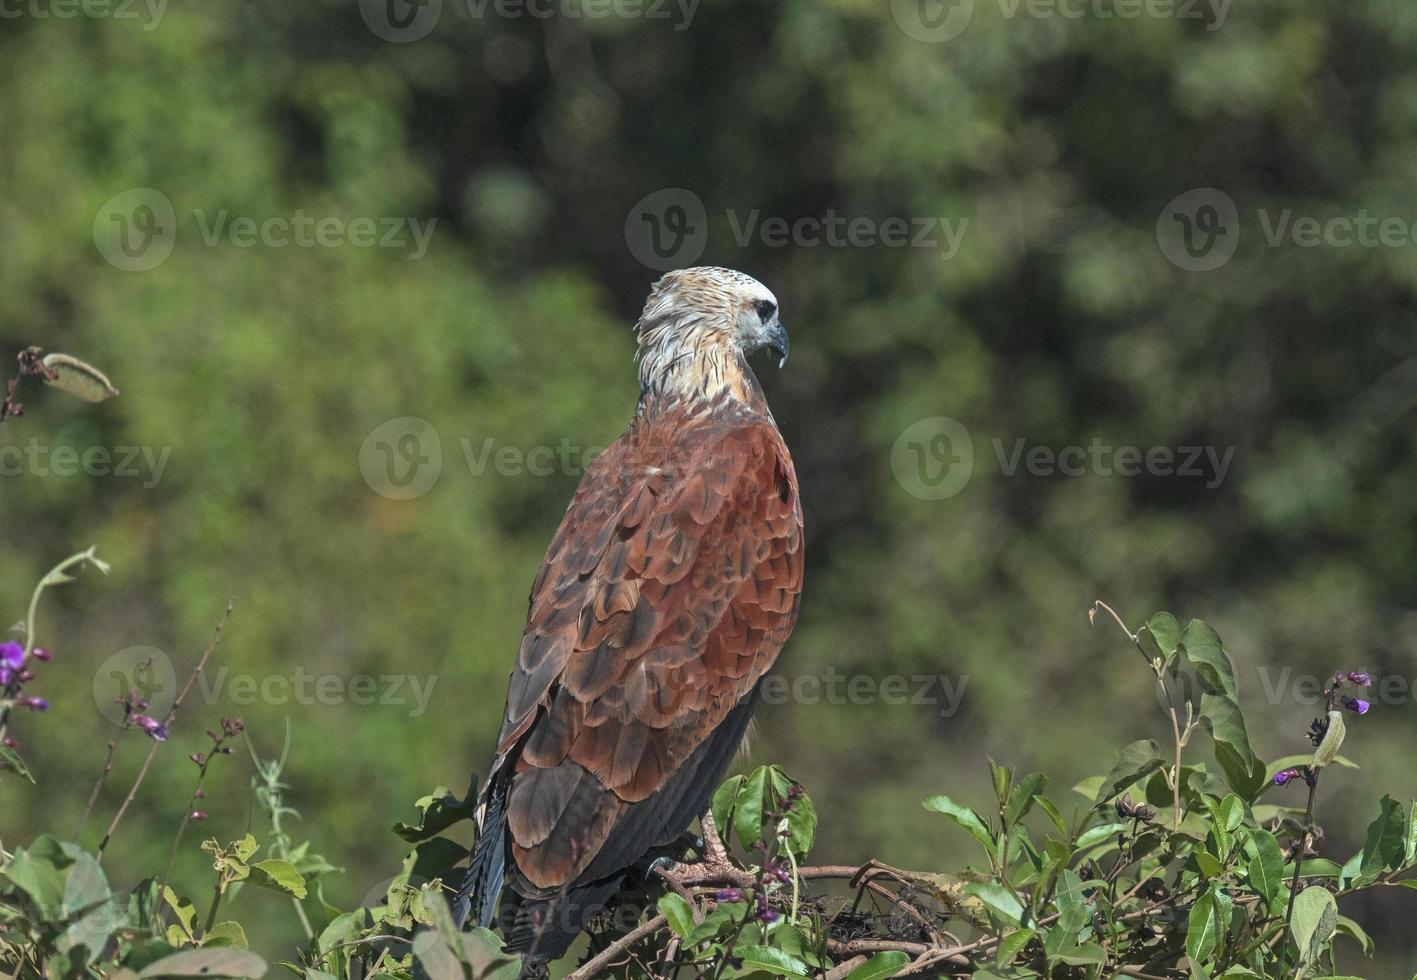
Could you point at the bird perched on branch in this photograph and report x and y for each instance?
(668, 591)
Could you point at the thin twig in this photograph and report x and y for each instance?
(607, 956)
(171, 716)
(102, 778)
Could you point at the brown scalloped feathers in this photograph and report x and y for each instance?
(667, 592)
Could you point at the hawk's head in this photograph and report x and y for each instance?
(698, 327)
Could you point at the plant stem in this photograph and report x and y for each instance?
(1313, 780)
(171, 716)
(216, 904)
(102, 778)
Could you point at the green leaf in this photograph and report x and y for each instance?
(1315, 868)
(1051, 808)
(677, 913)
(1098, 834)
(880, 966)
(88, 905)
(773, 961)
(748, 811)
(1384, 848)
(1347, 927)
(1315, 919)
(434, 954)
(972, 822)
(433, 858)
(1002, 777)
(482, 950)
(1209, 864)
(12, 759)
(1011, 944)
(801, 823)
(1200, 645)
(207, 963)
(226, 934)
(1266, 868)
(999, 900)
(1160, 636)
(1230, 813)
(39, 871)
(1088, 954)
(1137, 760)
(1023, 796)
(725, 800)
(1222, 718)
(1203, 929)
(1293, 761)
(1073, 913)
(278, 875)
(1088, 788)
(185, 928)
(436, 813)
(1409, 836)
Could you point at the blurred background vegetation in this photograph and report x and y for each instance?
(262, 370)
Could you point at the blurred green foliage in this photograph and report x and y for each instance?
(261, 371)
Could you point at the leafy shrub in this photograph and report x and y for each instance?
(1168, 867)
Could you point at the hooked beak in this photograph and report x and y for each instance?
(778, 343)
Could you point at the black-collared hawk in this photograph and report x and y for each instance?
(665, 596)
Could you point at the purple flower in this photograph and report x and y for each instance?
(12, 658)
(152, 726)
(199, 815)
(1356, 705)
(41, 654)
(1284, 775)
(34, 704)
(730, 895)
(1360, 677)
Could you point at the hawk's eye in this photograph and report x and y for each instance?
(765, 309)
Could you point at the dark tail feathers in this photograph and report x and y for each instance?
(477, 898)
